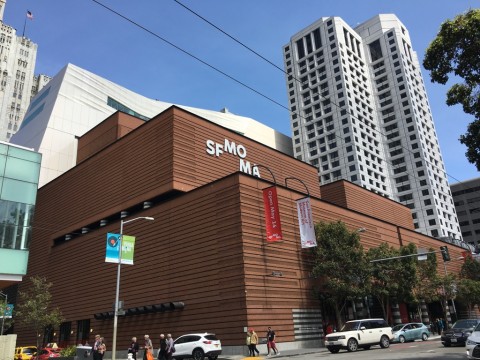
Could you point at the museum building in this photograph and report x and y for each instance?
(203, 264)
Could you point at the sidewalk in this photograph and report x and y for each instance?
(285, 353)
(295, 352)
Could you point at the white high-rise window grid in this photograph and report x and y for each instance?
(380, 115)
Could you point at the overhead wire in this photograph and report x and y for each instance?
(417, 188)
(240, 82)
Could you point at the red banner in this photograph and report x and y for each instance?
(272, 215)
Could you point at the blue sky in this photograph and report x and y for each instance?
(87, 35)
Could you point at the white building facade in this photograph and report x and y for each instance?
(359, 111)
(17, 65)
(75, 100)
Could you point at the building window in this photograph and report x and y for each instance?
(375, 50)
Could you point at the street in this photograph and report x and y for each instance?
(432, 349)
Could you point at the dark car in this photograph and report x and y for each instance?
(459, 332)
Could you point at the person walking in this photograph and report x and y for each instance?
(148, 347)
(254, 342)
(96, 348)
(102, 348)
(170, 347)
(249, 343)
(162, 351)
(271, 342)
(133, 348)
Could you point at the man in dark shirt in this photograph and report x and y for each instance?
(271, 342)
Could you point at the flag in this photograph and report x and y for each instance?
(305, 223)
(272, 215)
(29, 15)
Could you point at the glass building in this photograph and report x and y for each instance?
(19, 174)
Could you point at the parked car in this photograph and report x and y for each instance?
(473, 344)
(197, 346)
(459, 332)
(25, 352)
(47, 353)
(360, 333)
(410, 332)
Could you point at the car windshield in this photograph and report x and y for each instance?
(398, 327)
(465, 324)
(350, 326)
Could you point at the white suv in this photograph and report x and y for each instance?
(197, 346)
(360, 333)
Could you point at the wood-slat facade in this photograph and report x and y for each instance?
(206, 247)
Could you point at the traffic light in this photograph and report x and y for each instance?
(445, 254)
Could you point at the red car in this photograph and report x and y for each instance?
(47, 353)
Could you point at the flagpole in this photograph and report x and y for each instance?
(24, 25)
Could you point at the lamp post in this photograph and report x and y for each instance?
(117, 292)
(4, 310)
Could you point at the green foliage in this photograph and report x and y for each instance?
(470, 269)
(34, 310)
(426, 287)
(69, 351)
(395, 278)
(468, 293)
(456, 51)
(339, 261)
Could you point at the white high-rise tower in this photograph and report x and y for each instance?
(360, 112)
(17, 64)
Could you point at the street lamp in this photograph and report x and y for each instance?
(117, 293)
(4, 310)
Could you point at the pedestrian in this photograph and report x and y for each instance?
(254, 342)
(439, 326)
(249, 344)
(133, 349)
(271, 342)
(432, 328)
(170, 347)
(96, 348)
(147, 354)
(102, 348)
(162, 351)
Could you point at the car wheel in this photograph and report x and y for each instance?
(366, 347)
(401, 339)
(424, 337)
(446, 344)
(198, 354)
(333, 350)
(352, 345)
(384, 342)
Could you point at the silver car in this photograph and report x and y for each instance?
(473, 344)
(410, 332)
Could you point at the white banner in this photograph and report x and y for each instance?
(305, 223)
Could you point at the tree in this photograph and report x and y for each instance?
(34, 308)
(470, 269)
(468, 293)
(340, 263)
(392, 279)
(456, 50)
(426, 287)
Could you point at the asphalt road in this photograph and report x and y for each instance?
(431, 349)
